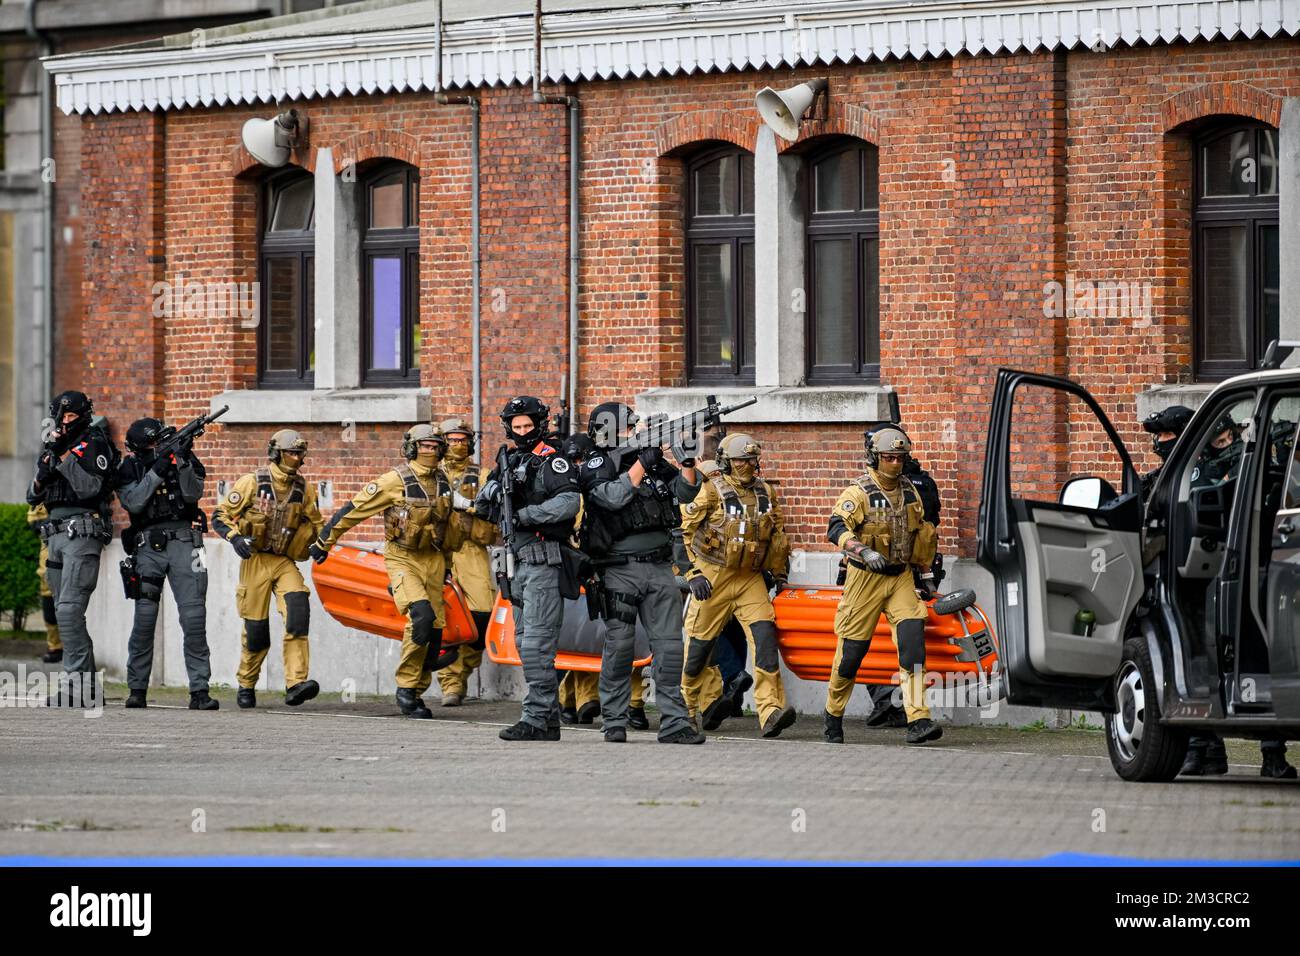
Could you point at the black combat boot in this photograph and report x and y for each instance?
(1275, 765)
(1205, 757)
(200, 700)
(717, 712)
(53, 657)
(410, 704)
(526, 731)
(887, 717)
(779, 721)
(301, 692)
(136, 699)
(636, 718)
(246, 698)
(919, 731)
(687, 735)
(834, 730)
(615, 735)
(588, 712)
(736, 692)
(568, 716)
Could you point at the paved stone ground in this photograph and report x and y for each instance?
(353, 780)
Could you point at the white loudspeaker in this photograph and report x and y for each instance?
(782, 111)
(269, 141)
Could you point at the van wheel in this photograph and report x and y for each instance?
(1141, 748)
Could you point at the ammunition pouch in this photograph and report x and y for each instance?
(283, 529)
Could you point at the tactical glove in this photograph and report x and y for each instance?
(700, 587)
(243, 546)
(318, 553)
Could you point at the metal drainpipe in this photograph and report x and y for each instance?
(47, 206)
(571, 102)
(475, 252)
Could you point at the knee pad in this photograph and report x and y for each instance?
(47, 611)
(481, 621)
(257, 635)
(765, 655)
(911, 644)
(699, 656)
(851, 658)
(297, 613)
(151, 588)
(421, 615)
(194, 617)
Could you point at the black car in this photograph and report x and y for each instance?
(1171, 615)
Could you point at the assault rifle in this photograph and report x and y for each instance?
(683, 433)
(503, 559)
(173, 438)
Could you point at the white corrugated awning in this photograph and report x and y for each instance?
(636, 41)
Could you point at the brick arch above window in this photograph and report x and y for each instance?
(738, 127)
(244, 166)
(377, 144)
(1220, 99)
(842, 119)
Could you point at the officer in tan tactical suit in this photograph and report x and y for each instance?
(879, 523)
(53, 645)
(468, 537)
(270, 518)
(735, 540)
(415, 499)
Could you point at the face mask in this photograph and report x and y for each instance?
(526, 441)
(457, 452)
(289, 465)
(890, 469)
(744, 471)
(1163, 448)
(429, 459)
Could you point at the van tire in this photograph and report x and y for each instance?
(1141, 747)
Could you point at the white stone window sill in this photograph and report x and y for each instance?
(1159, 397)
(327, 406)
(787, 405)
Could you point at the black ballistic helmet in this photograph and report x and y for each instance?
(75, 402)
(1172, 419)
(142, 434)
(609, 422)
(535, 409)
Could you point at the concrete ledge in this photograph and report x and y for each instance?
(848, 403)
(273, 406)
(1160, 397)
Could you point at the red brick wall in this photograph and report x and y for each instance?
(998, 175)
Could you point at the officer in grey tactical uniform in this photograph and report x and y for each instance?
(632, 507)
(165, 540)
(74, 480)
(545, 501)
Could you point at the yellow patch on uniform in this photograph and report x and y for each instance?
(371, 488)
(234, 497)
(848, 506)
(691, 508)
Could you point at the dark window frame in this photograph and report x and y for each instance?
(1208, 212)
(859, 226)
(402, 244)
(297, 245)
(736, 232)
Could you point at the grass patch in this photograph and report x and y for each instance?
(300, 828)
(57, 826)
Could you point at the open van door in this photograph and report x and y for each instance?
(1067, 571)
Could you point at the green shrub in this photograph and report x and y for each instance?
(20, 552)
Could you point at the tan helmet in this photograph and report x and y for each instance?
(458, 424)
(737, 446)
(425, 431)
(887, 441)
(286, 439)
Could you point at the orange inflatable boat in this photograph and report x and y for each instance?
(960, 642)
(581, 639)
(353, 586)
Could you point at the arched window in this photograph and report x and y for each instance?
(286, 346)
(720, 266)
(843, 196)
(390, 255)
(1235, 268)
